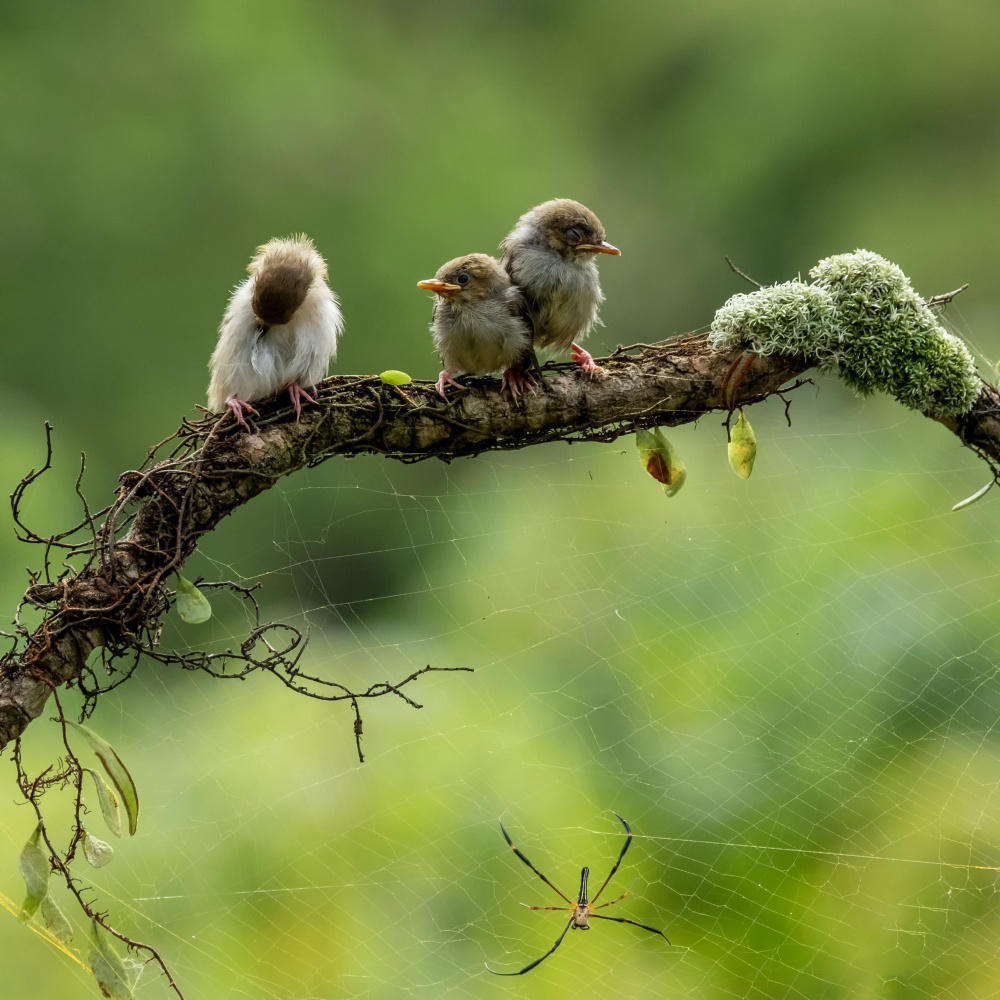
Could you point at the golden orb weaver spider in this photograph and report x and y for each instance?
(582, 911)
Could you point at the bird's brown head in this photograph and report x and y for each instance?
(470, 278)
(565, 227)
(283, 271)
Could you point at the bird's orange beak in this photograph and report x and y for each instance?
(603, 247)
(439, 286)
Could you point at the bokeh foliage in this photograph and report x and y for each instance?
(786, 685)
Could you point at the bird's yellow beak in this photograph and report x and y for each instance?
(439, 286)
(602, 247)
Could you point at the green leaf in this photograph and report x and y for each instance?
(192, 604)
(117, 772)
(658, 458)
(97, 852)
(393, 377)
(975, 496)
(742, 447)
(108, 968)
(55, 920)
(33, 864)
(109, 802)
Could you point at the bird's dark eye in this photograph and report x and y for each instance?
(463, 279)
(574, 235)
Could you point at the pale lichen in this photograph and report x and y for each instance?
(861, 317)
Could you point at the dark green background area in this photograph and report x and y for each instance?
(788, 685)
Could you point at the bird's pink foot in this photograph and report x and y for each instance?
(445, 378)
(237, 406)
(296, 393)
(584, 359)
(518, 380)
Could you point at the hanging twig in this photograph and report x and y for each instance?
(736, 270)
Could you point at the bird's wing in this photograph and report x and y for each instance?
(518, 303)
(522, 303)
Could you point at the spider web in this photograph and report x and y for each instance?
(787, 686)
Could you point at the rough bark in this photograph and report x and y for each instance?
(118, 596)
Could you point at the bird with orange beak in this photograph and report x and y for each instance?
(551, 256)
(478, 323)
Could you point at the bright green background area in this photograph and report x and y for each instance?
(786, 685)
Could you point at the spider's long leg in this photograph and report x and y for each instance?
(619, 898)
(564, 909)
(613, 901)
(506, 836)
(537, 961)
(628, 840)
(622, 920)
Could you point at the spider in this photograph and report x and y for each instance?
(582, 911)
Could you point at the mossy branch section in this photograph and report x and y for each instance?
(861, 317)
(176, 504)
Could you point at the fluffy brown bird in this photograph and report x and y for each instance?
(478, 323)
(550, 255)
(279, 331)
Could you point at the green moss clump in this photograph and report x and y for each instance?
(861, 316)
(790, 318)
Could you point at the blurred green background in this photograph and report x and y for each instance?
(788, 685)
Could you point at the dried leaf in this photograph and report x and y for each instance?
(97, 852)
(192, 604)
(975, 496)
(117, 772)
(658, 458)
(33, 864)
(55, 921)
(107, 967)
(108, 801)
(393, 377)
(742, 447)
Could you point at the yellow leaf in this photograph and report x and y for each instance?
(658, 458)
(742, 447)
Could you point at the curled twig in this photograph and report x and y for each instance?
(780, 393)
(736, 270)
(56, 540)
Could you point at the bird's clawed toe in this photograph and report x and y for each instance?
(296, 393)
(236, 407)
(517, 380)
(585, 360)
(444, 378)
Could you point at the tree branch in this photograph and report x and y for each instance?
(116, 598)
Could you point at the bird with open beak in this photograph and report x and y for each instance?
(279, 331)
(478, 323)
(550, 255)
